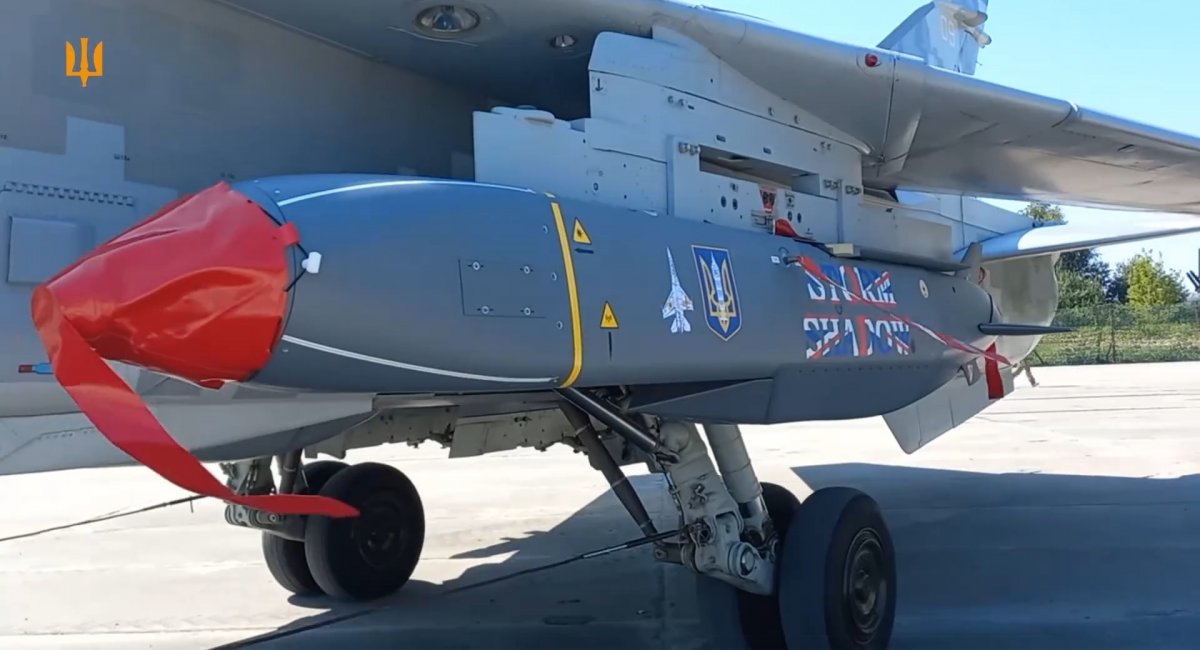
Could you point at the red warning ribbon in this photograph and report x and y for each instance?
(989, 355)
(195, 291)
(991, 371)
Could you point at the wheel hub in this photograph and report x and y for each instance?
(379, 534)
(864, 584)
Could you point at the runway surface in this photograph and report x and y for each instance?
(1067, 516)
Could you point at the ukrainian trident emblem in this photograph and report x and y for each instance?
(722, 309)
(85, 71)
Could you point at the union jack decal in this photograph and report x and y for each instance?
(816, 272)
(838, 336)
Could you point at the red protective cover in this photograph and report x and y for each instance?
(197, 291)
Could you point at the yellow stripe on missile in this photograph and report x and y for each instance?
(572, 296)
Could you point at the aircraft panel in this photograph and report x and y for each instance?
(925, 127)
(185, 94)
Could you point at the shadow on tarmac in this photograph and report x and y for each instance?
(992, 561)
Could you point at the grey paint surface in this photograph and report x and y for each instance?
(1062, 518)
(398, 283)
(206, 92)
(192, 93)
(925, 127)
(201, 91)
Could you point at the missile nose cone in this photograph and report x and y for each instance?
(196, 291)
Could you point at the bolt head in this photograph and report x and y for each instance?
(748, 561)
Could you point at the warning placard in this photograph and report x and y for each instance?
(581, 236)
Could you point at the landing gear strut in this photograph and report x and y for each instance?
(772, 572)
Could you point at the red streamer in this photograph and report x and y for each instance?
(195, 291)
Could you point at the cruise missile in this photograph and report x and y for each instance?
(383, 284)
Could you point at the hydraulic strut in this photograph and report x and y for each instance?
(604, 411)
(603, 461)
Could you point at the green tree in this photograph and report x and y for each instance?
(1044, 213)
(1118, 289)
(1075, 290)
(1151, 284)
(1084, 279)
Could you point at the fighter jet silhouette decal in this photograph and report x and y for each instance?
(677, 302)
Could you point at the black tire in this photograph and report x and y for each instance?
(375, 553)
(284, 557)
(736, 619)
(837, 574)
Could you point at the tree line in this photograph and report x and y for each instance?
(1086, 280)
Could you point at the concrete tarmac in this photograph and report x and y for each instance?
(1066, 516)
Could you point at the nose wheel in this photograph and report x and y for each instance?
(356, 558)
(284, 557)
(835, 580)
(375, 553)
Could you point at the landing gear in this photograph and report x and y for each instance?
(836, 580)
(771, 572)
(375, 553)
(837, 574)
(739, 620)
(356, 558)
(284, 557)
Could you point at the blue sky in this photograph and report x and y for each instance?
(1132, 59)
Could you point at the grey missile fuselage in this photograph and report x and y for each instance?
(658, 106)
(431, 286)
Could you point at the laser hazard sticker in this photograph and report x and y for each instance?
(677, 303)
(608, 318)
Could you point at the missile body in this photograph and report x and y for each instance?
(442, 286)
(450, 287)
(386, 285)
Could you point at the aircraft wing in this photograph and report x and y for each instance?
(978, 138)
(918, 126)
(1061, 238)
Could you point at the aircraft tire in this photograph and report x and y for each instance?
(374, 554)
(284, 557)
(739, 620)
(837, 574)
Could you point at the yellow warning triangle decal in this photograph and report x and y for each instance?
(581, 236)
(608, 320)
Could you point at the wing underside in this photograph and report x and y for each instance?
(922, 127)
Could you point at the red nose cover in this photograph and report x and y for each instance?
(197, 291)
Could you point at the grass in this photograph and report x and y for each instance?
(1122, 334)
